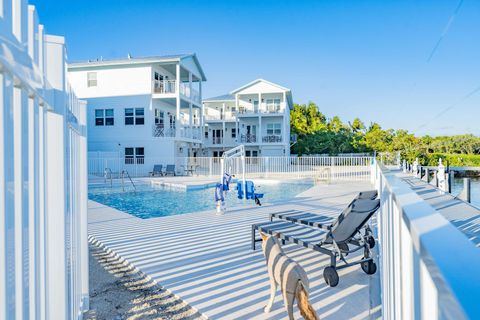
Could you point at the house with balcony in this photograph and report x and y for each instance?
(256, 115)
(145, 111)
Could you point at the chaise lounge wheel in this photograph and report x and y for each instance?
(371, 241)
(331, 276)
(369, 267)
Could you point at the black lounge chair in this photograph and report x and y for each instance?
(170, 169)
(320, 221)
(157, 169)
(332, 239)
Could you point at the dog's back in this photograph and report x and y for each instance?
(284, 270)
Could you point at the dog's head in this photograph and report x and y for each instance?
(268, 241)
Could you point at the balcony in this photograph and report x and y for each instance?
(264, 108)
(217, 140)
(164, 86)
(272, 139)
(248, 138)
(160, 131)
(169, 87)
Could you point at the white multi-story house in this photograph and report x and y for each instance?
(142, 109)
(256, 115)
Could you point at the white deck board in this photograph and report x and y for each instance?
(207, 261)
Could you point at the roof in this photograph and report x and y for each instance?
(140, 60)
(257, 81)
(224, 97)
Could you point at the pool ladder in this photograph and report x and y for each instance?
(125, 172)
(107, 174)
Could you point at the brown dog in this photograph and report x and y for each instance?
(291, 278)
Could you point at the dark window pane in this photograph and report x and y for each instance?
(139, 111)
(109, 113)
(98, 112)
(140, 151)
(129, 112)
(140, 121)
(129, 151)
(99, 121)
(128, 120)
(109, 121)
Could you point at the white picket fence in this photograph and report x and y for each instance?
(323, 168)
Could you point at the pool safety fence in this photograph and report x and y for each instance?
(319, 168)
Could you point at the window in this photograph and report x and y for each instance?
(104, 117)
(274, 129)
(234, 133)
(99, 117)
(139, 116)
(134, 116)
(273, 105)
(91, 79)
(159, 118)
(135, 155)
(206, 134)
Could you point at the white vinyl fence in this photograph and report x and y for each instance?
(428, 268)
(324, 168)
(43, 175)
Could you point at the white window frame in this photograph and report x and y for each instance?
(92, 79)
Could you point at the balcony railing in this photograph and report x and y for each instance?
(189, 93)
(217, 140)
(248, 138)
(264, 108)
(159, 130)
(164, 86)
(272, 139)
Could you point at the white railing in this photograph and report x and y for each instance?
(428, 268)
(43, 175)
(164, 86)
(321, 168)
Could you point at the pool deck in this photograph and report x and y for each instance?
(206, 259)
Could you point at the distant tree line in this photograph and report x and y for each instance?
(317, 134)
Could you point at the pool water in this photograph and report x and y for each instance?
(152, 201)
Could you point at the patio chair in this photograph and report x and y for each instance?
(170, 170)
(333, 240)
(320, 221)
(157, 169)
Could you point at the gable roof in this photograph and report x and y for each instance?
(141, 60)
(257, 81)
(224, 97)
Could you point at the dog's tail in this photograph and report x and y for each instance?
(306, 309)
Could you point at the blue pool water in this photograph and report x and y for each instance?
(148, 202)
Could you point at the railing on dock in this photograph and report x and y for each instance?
(428, 268)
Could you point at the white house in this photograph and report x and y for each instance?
(144, 110)
(43, 174)
(256, 115)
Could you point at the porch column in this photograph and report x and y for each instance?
(285, 100)
(260, 129)
(223, 123)
(177, 91)
(190, 118)
(259, 102)
(236, 131)
(236, 103)
(190, 85)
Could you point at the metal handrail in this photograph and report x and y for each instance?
(131, 181)
(107, 172)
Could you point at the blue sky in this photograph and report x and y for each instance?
(366, 59)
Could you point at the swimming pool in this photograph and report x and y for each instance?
(149, 202)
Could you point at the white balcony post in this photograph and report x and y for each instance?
(284, 100)
(259, 102)
(236, 103)
(177, 93)
(190, 95)
(260, 129)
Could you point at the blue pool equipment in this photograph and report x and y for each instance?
(220, 198)
(250, 194)
(226, 181)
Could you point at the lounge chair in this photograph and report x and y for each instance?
(321, 221)
(157, 169)
(170, 169)
(332, 239)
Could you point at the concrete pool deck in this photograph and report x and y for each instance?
(206, 259)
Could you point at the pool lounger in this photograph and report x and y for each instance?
(333, 239)
(320, 221)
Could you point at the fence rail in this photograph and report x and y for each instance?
(327, 168)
